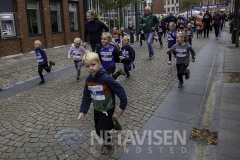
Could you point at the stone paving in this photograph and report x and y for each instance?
(40, 123)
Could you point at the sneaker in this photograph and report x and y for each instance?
(169, 63)
(187, 75)
(78, 79)
(127, 77)
(52, 63)
(161, 45)
(116, 124)
(42, 82)
(121, 72)
(151, 56)
(180, 84)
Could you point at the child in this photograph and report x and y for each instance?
(171, 39)
(199, 28)
(100, 89)
(189, 33)
(76, 51)
(142, 37)
(42, 60)
(180, 25)
(181, 51)
(127, 57)
(109, 55)
(160, 34)
(116, 35)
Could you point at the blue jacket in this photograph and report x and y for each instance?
(101, 90)
(41, 56)
(128, 54)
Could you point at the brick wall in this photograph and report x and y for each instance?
(158, 6)
(24, 43)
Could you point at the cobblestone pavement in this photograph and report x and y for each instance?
(40, 123)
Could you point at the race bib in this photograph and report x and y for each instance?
(96, 92)
(181, 52)
(106, 56)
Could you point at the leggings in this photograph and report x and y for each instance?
(181, 70)
(46, 67)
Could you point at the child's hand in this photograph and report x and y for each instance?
(120, 112)
(193, 60)
(84, 44)
(80, 116)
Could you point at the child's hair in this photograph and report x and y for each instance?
(121, 29)
(77, 41)
(115, 28)
(183, 35)
(189, 24)
(127, 37)
(91, 56)
(38, 42)
(172, 24)
(109, 36)
(93, 13)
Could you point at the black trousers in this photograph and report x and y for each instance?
(216, 29)
(190, 41)
(181, 70)
(46, 67)
(206, 30)
(111, 72)
(103, 123)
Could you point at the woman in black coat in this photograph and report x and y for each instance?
(93, 29)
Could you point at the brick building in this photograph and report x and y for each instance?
(158, 6)
(53, 22)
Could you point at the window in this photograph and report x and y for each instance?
(173, 9)
(33, 16)
(73, 16)
(168, 2)
(168, 9)
(164, 2)
(56, 20)
(172, 1)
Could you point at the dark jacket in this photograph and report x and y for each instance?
(101, 90)
(207, 19)
(150, 22)
(93, 31)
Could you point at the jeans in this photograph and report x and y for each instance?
(78, 65)
(216, 28)
(149, 37)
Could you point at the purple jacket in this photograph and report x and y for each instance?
(163, 23)
(216, 19)
(76, 53)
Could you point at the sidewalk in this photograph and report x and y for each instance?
(205, 102)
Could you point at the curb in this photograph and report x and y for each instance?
(11, 56)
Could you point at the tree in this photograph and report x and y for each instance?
(186, 4)
(114, 5)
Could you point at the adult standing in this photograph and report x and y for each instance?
(93, 29)
(149, 22)
(170, 18)
(217, 23)
(207, 21)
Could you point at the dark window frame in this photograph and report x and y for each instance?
(41, 17)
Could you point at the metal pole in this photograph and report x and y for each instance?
(137, 19)
(235, 25)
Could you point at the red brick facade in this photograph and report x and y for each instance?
(24, 43)
(158, 6)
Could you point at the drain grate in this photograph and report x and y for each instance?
(210, 137)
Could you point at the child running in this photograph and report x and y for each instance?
(171, 39)
(42, 60)
(181, 51)
(189, 32)
(100, 89)
(127, 57)
(76, 51)
(109, 55)
(116, 35)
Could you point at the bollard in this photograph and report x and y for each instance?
(131, 37)
(234, 35)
